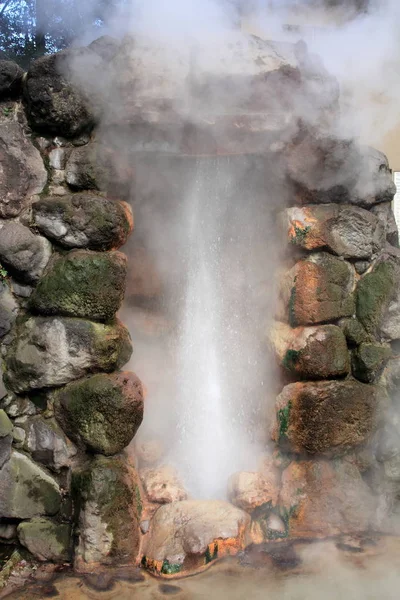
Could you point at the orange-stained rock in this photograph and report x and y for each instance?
(321, 498)
(311, 352)
(348, 231)
(249, 490)
(318, 289)
(162, 485)
(326, 417)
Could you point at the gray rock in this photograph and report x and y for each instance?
(361, 266)
(47, 443)
(10, 79)
(19, 436)
(375, 183)
(8, 531)
(51, 91)
(82, 170)
(49, 352)
(22, 174)
(8, 309)
(6, 426)
(17, 406)
(384, 212)
(46, 540)
(84, 221)
(23, 291)
(58, 158)
(23, 252)
(26, 489)
(6, 430)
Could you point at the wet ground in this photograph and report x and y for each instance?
(348, 569)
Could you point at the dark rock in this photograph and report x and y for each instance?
(83, 284)
(101, 413)
(369, 360)
(326, 417)
(8, 309)
(354, 332)
(384, 212)
(55, 105)
(47, 444)
(23, 252)
(10, 79)
(46, 540)
(22, 174)
(84, 221)
(50, 351)
(110, 508)
(361, 266)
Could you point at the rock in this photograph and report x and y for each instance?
(82, 169)
(321, 499)
(84, 221)
(23, 252)
(27, 490)
(47, 444)
(162, 485)
(369, 360)
(354, 332)
(348, 231)
(110, 509)
(49, 351)
(326, 417)
(189, 534)
(391, 375)
(10, 79)
(16, 406)
(19, 436)
(22, 170)
(320, 289)
(53, 101)
(105, 46)
(249, 491)
(375, 183)
(101, 413)
(46, 540)
(361, 266)
(6, 439)
(385, 214)
(311, 352)
(8, 309)
(8, 531)
(82, 284)
(6, 426)
(21, 290)
(58, 158)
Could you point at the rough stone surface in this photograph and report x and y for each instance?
(8, 309)
(249, 490)
(110, 507)
(319, 289)
(311, 352)
(101, 413)
(22, 172)
(17, 406)
(193, 533)
(348, 231)
(54, 103)
(46, 540)
(84, 221)
(49, 351)
(23, 252)
(321, 498)
(326, 417)
(385, 214)
(162, 485)
(8, 532)
(82, 284)
(354, 332)
(6, 430)
(369, 360)
(10, 79)
(26, 489)
(47, 444)
(82, 170)
(6, 426)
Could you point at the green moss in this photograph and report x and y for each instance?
(210, 557)
(373, 294)
(291, 358)
(283, 419)
(300, 234)
(170, 568)
(3, 273)
(292, 305)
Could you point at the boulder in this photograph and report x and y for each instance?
(17, 406)
(6, 438)
(385, 214)
(321, 499)
(82, 284)
(84, 221)
(83, 171)
(23, 173)
(326, 417)
(108, 497)
(11, 76)
(311, 352)
(8, 309)
(46, 540)
(54, 103)
(27, 490)
(23, 252)
(8, 532)
(369, 360)
(318, 289)
(189, 534)
(251, 490)
(47, 443)
(162, 485)
(353, 330)
(49, 351)
(374, 183)
(101, 413)
(348, 231)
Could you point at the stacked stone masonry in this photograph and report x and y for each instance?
(67, 411)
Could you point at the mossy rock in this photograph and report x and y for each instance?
(46, 540)
(82, 284)
(354, 332)
(374, 292)
(369, 360)
(6, 426)
(101, 413)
